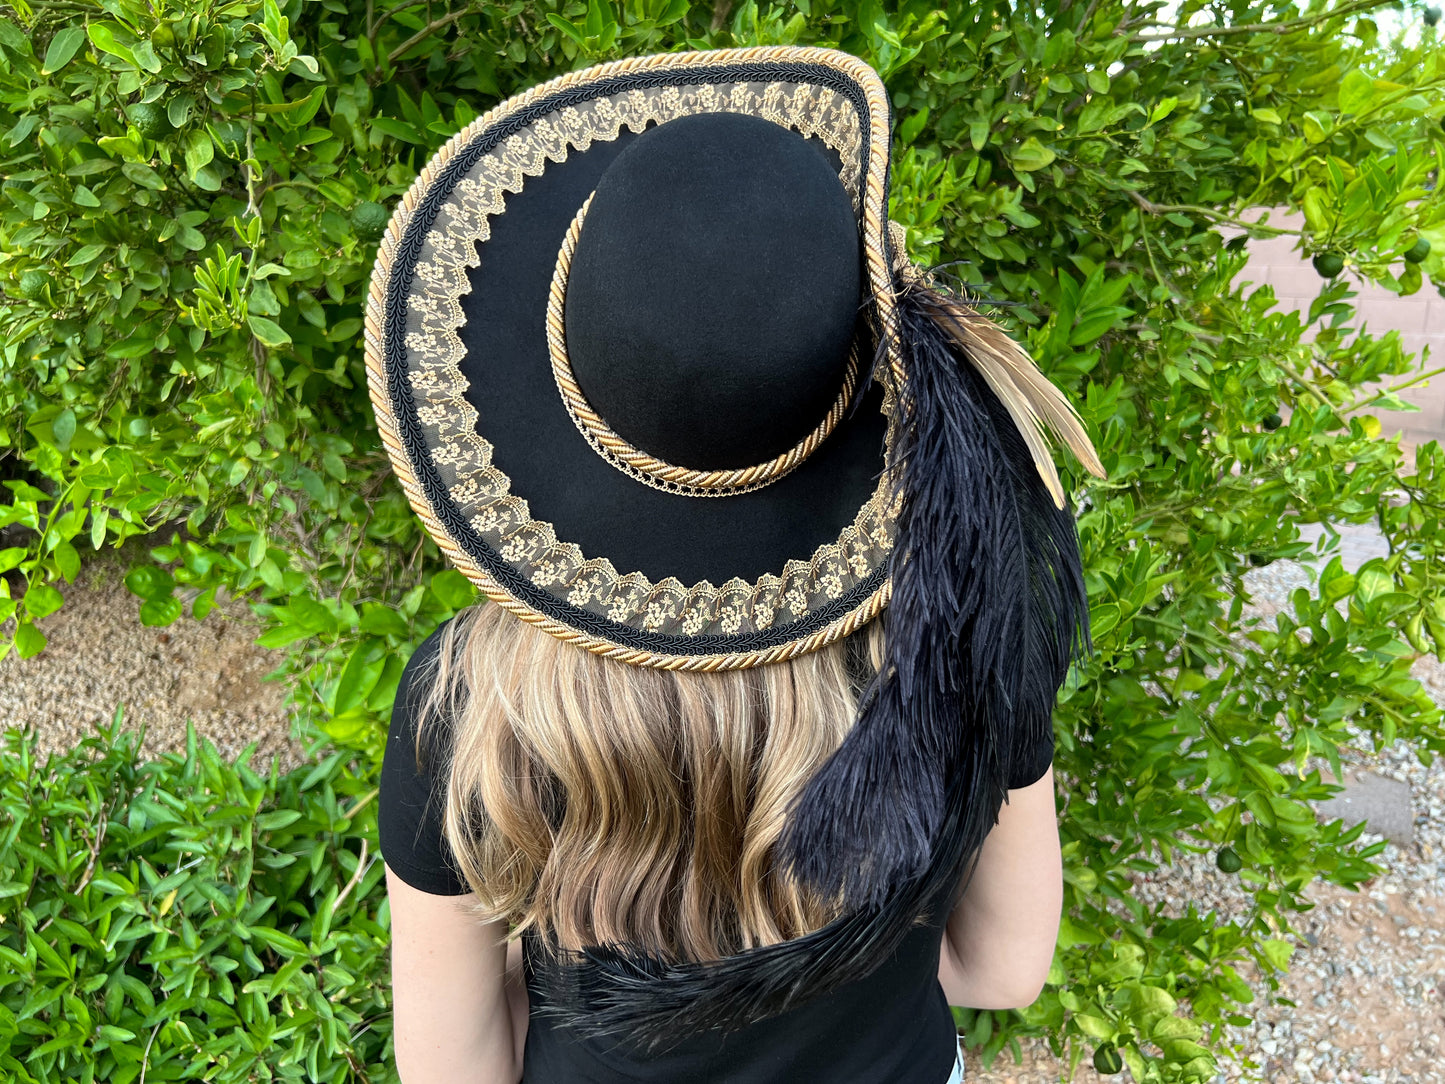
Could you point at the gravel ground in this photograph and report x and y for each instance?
(99, 656)
(1368, 977)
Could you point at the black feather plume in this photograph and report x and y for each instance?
(987, 611)
(988, 594)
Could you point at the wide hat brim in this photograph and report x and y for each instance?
(503, 478)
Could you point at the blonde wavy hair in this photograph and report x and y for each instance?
(600, 802)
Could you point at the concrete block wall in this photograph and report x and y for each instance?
(1420, 319)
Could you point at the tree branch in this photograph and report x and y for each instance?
(426, 31)
(1187, 32)
(1149, 207)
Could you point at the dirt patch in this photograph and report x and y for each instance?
(99, 657)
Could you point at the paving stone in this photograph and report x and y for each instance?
(1383, 803)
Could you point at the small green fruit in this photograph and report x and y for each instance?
(150, 119)
(163, 37)
(1227, 860)
(1107, 1061)
(1418, 251)
(369, 220)
(33, 285)
(1271, 421)
(1329, 264)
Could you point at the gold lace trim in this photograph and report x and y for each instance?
(634, 462)
(464, 459)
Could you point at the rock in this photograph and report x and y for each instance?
(1382, 803)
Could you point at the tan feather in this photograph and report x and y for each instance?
(1032, 400)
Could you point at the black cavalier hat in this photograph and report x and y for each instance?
(655, 372)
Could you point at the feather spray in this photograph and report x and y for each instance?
(988, 609)
(987, 612)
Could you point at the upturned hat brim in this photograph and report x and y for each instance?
(504, 480)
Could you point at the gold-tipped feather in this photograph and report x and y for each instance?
(1031, 398)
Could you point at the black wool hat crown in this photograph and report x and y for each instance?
(714, 292)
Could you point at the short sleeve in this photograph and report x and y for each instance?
(1030, 757)
(411, 802)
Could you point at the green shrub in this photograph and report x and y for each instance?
(188, 918)
(185, 238)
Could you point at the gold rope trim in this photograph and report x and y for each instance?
(634, 462)
(874, 218)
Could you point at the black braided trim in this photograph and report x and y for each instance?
(403, 270)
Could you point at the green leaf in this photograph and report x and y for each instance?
(1314, 209)
(1335, 582)
(23, 127)
(102, 36)
(123, 146)
(1096, 1027)
(397, 129)
(357, 680)
(67, 560)
(978, 132)
(570, 29)
(281, 818)
(1357, 92)
(145, 56)
(909, 129)
(1317, 125)
(163, 611)
(150, 582)
(376, 619)
(199, 151)
(1165, 106)
(42, 600)
(599, 18)
(63, 47)
(29, 641)
(1093, 324)
(281, 942)
(1103, 618)
(178, 109)
(1277, 952)
(62, 427)
(143, 175)
(1372, 581)
(1095, 115)
(452, 589)
(1031, 155)
(13, 38)
(85, 254)
(1153, 999)
(268, 331)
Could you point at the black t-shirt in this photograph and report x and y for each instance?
(893, 1027)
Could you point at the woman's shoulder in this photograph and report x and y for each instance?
(418, 676)
(407, 762)
(412, 794)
